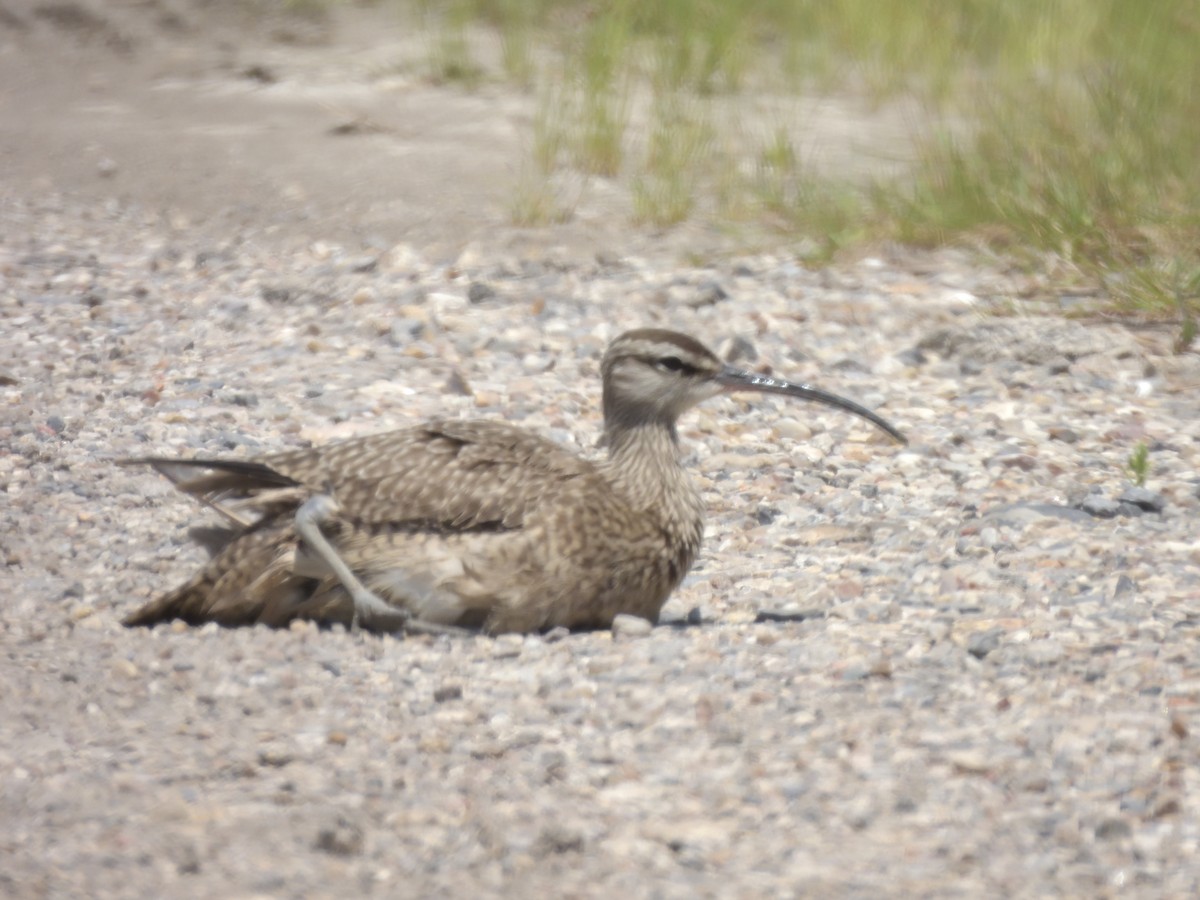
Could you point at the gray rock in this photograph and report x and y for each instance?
(558, 838)
(738, 349)
(981, 643)
(1022, 461)
(480, 291)
(707, 294)
(1044, 652)
(403, 332)
(1063, 433)
(341, 836)
(363, 264)
(1020, 515)
(508, 646)
(1100, 507)
(694, 616)
(1113, 829)
(1143, 499)
(625, 626)
(790, 613)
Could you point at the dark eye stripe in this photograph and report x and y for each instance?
(675, 364)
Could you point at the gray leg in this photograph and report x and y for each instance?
(368, 606)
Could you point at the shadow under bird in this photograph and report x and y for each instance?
(469, 524)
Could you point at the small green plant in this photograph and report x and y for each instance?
(515, 20)
(826, 213)
(1063, 130)
(603, 107)
(550, 140)
(1160, 289)
(1137, 467)
(1187, 330)
(311, 9)
(450, 58)
(776, 173)
(702, 47)
(1188, 298)
(665, 189)
(599, 139)
(539, 200)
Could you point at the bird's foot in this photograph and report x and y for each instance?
(373, 613)
(370, 610)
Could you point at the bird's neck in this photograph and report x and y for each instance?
(643, 464)
(644, 468)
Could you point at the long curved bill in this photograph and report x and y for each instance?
(732, 379)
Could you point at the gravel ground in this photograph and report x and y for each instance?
(967, 667)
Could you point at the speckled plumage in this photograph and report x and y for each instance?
(476, 524)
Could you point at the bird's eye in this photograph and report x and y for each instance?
(673, 364)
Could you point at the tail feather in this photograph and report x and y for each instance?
(209, 476)
(241, 585)
(247, 494)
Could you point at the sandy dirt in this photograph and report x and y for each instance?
(224, 119)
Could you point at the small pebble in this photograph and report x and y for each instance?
(981, 643)
(1143, 499)
(479, 292)
(1099, 506)
(340, 837)
(625, 626)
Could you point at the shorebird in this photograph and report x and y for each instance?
(475, 525)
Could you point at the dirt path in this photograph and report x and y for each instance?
(226, 122)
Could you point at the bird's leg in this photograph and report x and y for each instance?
(368, 606)
(312, 514)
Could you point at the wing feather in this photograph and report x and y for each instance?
(444, 476)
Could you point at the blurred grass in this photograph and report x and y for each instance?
(1075, 123)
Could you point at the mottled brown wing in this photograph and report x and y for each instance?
(393, 491)
(445, 475)
(240, 585)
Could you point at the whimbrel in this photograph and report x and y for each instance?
(469, 524)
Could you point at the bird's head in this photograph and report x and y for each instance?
(652, 376)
